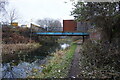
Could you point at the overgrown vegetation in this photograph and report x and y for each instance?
(99, 61)
(10, 51)
(58, 65)
(105, 15)
(20, 40)
(14, 35)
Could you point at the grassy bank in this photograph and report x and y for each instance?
(11, 50)
(58, 65)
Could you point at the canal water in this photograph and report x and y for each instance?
(29, 63)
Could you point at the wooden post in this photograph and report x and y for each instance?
(30, 33)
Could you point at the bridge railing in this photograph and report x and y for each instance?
(58, 29)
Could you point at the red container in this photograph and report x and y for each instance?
(69, 26)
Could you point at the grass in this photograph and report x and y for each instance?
(9, 48)
(64, 40)
(13, 49)
(58, 66)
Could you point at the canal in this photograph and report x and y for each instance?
(24, 65)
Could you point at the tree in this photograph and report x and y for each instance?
(2, 5)
(101, 14)
(9, 16)
(2, 9)
(12, 15)
(50, 24)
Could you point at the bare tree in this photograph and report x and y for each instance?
(50, 24)
(12, 15)
(2, 5)
(44, 22)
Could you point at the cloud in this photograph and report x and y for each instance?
(36, 9)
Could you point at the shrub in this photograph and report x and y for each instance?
(100, 60)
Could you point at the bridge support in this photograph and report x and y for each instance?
(83, 39)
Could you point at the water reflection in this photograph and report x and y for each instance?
(64, 46)
(26, 68)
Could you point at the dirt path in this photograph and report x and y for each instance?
(74, 68)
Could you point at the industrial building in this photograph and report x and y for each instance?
(37, 28)
(74, 26)
(69, 26)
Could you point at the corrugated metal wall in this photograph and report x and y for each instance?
(72, 26)
(69, 26)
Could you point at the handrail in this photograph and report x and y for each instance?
(63, 33)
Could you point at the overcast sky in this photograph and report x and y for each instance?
(31, 10)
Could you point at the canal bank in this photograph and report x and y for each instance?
(13, 51)
(28, 65)
(58, 65)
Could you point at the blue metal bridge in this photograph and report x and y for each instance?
(62, 34)
(56, 31)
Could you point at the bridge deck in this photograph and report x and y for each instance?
(62, 33)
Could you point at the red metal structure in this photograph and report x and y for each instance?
(69, 26)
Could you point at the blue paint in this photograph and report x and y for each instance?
(62, 33)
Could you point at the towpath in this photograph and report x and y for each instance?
(74, 68)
